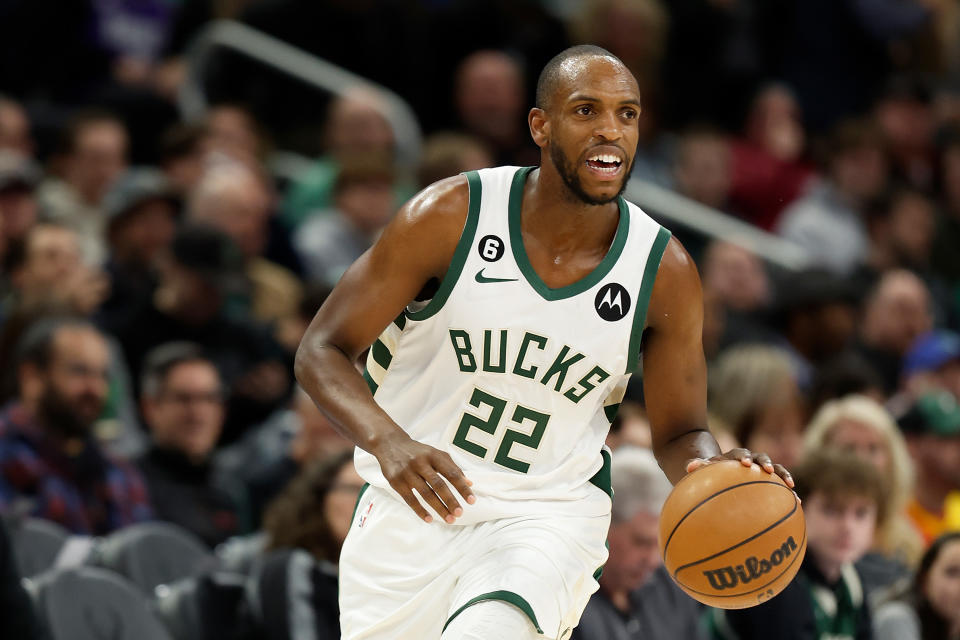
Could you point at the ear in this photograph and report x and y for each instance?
(539, 126)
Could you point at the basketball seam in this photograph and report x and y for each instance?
(741, 543)
(803, 541)
(708, 499)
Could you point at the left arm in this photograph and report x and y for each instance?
(675, 373)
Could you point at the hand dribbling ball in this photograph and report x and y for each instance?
(732, 536)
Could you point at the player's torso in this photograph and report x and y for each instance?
(518, 381)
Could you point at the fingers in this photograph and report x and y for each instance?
(446, 466)
(429, 493)
(764, 461)
(407, 494)
(695, 463)
(783, 473)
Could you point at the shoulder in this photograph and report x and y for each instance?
(676, 288)
(442, 204)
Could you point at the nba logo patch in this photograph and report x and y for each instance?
(365, 515)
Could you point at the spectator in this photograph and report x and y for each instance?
(862, 426)
(232, 198)
(183, 407)
(637, 598)
(944, 257)
(490, 101)
(190, 304)
(141, 210)
(18, 202)
(843, 498)
(94, 154)
(448, 153)
(363, 204)
(183, 149)
(15, 128)
(845, 374)
(896, 312)
(933, 364)
(46, 268)
(753, 392)
(49, 455)
(816, 312)
(929, 608)
(829, 220)
(355, 125)
(769, 171)
(233, 131)
(905, 117)
(901, 227)
(932, 430)
(702, 169)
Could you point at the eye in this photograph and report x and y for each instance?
(584, 110)
(630, 114)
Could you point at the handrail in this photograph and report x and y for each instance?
(295, 62)
(662, 202)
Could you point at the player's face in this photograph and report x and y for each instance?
(839, 529)
(593, 129)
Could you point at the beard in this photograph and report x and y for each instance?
(70, 417)
(568, 173)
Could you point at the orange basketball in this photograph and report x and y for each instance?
(732, 536)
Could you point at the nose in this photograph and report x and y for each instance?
(608, 127)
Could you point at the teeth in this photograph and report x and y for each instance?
(604, 157)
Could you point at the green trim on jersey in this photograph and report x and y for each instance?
(459, 255)
(507, 596)
(611, 411)
(371, 382)
(643, 297)
(381, 354)
(603, 478)
(356, 505)
(523, 261)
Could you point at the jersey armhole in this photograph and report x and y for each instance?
(459, 255)
(643, 297)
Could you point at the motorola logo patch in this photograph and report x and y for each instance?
(612, 302)
(490, 248)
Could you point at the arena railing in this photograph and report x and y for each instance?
(321, 74)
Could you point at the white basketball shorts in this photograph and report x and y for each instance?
(404, 579)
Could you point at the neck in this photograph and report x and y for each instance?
(830, 570)
(620, 598)
(931, 492)
(559, 219)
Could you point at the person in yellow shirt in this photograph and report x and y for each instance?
(932, 430)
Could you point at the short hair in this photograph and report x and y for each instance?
(181, 140)
(363, 168)
(639, 484)
(549, 78)
(161, 360)
(840, 475)
(36, 345)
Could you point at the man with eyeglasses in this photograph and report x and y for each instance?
(182, 401)
(50, 462)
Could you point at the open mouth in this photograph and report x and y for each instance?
(605, 164)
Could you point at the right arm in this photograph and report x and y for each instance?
(415, 248)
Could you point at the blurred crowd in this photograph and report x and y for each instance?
(157, 273)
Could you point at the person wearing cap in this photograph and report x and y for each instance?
(203, 272)
(933, 363)
(18, 203)
(141, 210)
(932, 431)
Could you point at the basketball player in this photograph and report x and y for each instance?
(506, 309)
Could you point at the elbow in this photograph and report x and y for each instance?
(304, 361)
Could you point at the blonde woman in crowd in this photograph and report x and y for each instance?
(753, 393)
(860, 424)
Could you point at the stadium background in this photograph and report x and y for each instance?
(205, 170)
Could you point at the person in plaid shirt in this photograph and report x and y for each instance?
(48, 456)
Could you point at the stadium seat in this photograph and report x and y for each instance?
(153, 553)
(86, 603)
(36, 544)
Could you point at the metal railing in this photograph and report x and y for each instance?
(308, 68)
(331, 78)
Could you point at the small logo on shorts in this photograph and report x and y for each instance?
(365, 515)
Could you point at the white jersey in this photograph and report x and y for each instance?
(518, 381)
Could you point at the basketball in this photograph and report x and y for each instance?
(732, 536)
